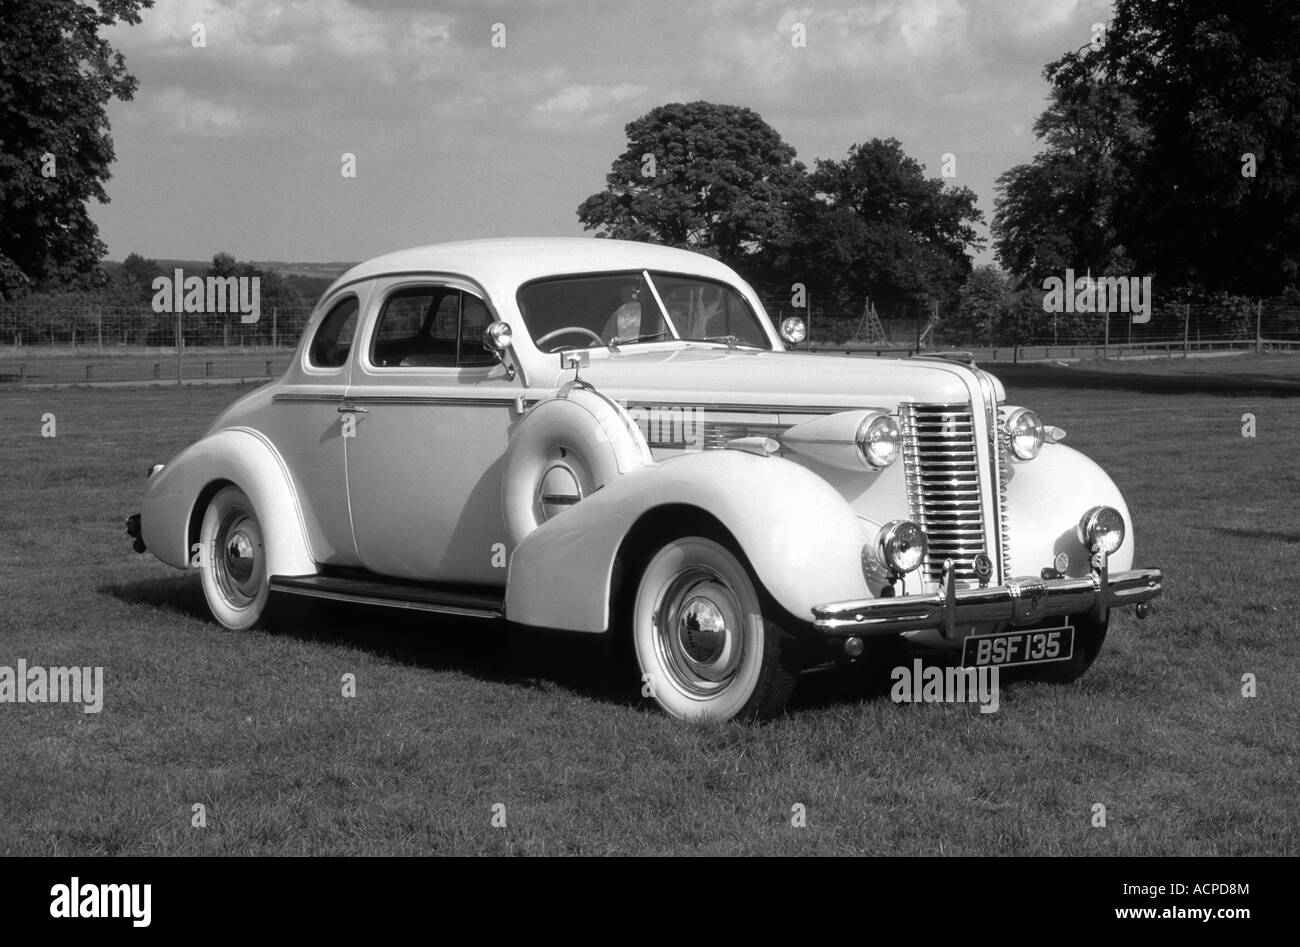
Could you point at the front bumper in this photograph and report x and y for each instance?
(1020, 601)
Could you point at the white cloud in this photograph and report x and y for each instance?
(182, 112)
(579, 104)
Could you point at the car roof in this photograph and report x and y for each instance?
(516, 260)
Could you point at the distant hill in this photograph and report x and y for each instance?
(310, 279)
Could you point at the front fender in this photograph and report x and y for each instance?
(802, 539)
(1045, 499)
(247, 459)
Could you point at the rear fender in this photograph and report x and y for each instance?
(802, 539)
(247, 459)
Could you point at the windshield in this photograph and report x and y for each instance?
(615, 309)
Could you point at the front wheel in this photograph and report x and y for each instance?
(704, 647)
(232, 560)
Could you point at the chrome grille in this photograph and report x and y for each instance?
(942, 467)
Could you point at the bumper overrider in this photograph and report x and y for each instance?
(1019, 601)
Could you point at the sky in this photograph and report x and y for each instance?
(238, 145)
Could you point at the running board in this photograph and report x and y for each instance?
(391, 594)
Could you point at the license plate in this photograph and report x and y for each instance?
(1010, 648)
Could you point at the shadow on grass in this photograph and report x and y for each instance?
(491, 651)
(1172, 383)
(590, 666)
(1258, 534)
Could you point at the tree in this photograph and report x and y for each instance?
(1061, 210)
(57, 74)
(873, 226)
(981, 308)
(137, 276)
(714, 178)
(1215, 81)
(1168, 152)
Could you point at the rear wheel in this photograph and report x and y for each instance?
(233, 560)
(704, 647)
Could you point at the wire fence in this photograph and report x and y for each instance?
(85, 342)
(1272, 321)
(106, 327)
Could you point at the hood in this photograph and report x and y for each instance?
(707, 375)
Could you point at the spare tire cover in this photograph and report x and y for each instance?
(566, 447)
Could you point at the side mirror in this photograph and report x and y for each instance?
(793, 330)
(497, 339)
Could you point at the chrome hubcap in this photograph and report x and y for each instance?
(699, 626)
(238, 564)
(701, 631)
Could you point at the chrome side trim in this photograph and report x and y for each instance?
(397, 399)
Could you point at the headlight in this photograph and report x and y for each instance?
(1025, 432)
(877, 439)
(1102, 529)
(794, 330)
(902, 545)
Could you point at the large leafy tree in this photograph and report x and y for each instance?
(1214, 80)
(1063, 208)
(57, 75)
(714, 178)
(1145, 141)
(874, 226)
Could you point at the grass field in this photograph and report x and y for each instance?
(450, 719)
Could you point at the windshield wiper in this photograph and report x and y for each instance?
(731, 341)
(615, 342)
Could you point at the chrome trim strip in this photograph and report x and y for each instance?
(395, 399)
(306, 398)
(989, 394)
(363, 599)
(752, 408)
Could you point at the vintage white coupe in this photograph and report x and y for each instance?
(611, 437)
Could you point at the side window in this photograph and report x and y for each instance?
(413, 329)
(333, 341)
(431, 327)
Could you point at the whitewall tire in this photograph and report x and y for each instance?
(703, 645)
(232, 560)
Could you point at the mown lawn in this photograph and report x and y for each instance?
(452, 719)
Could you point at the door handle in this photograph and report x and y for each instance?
(348, 409)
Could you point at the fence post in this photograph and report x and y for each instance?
(1187, 323)
(1259, 322)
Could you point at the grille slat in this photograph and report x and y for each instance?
(941, 466)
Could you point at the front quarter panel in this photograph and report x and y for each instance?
(1045, 499)
(802, 539)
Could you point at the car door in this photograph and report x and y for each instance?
(307, 428)
(434, 417)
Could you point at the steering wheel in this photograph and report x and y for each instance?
(565, 330)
